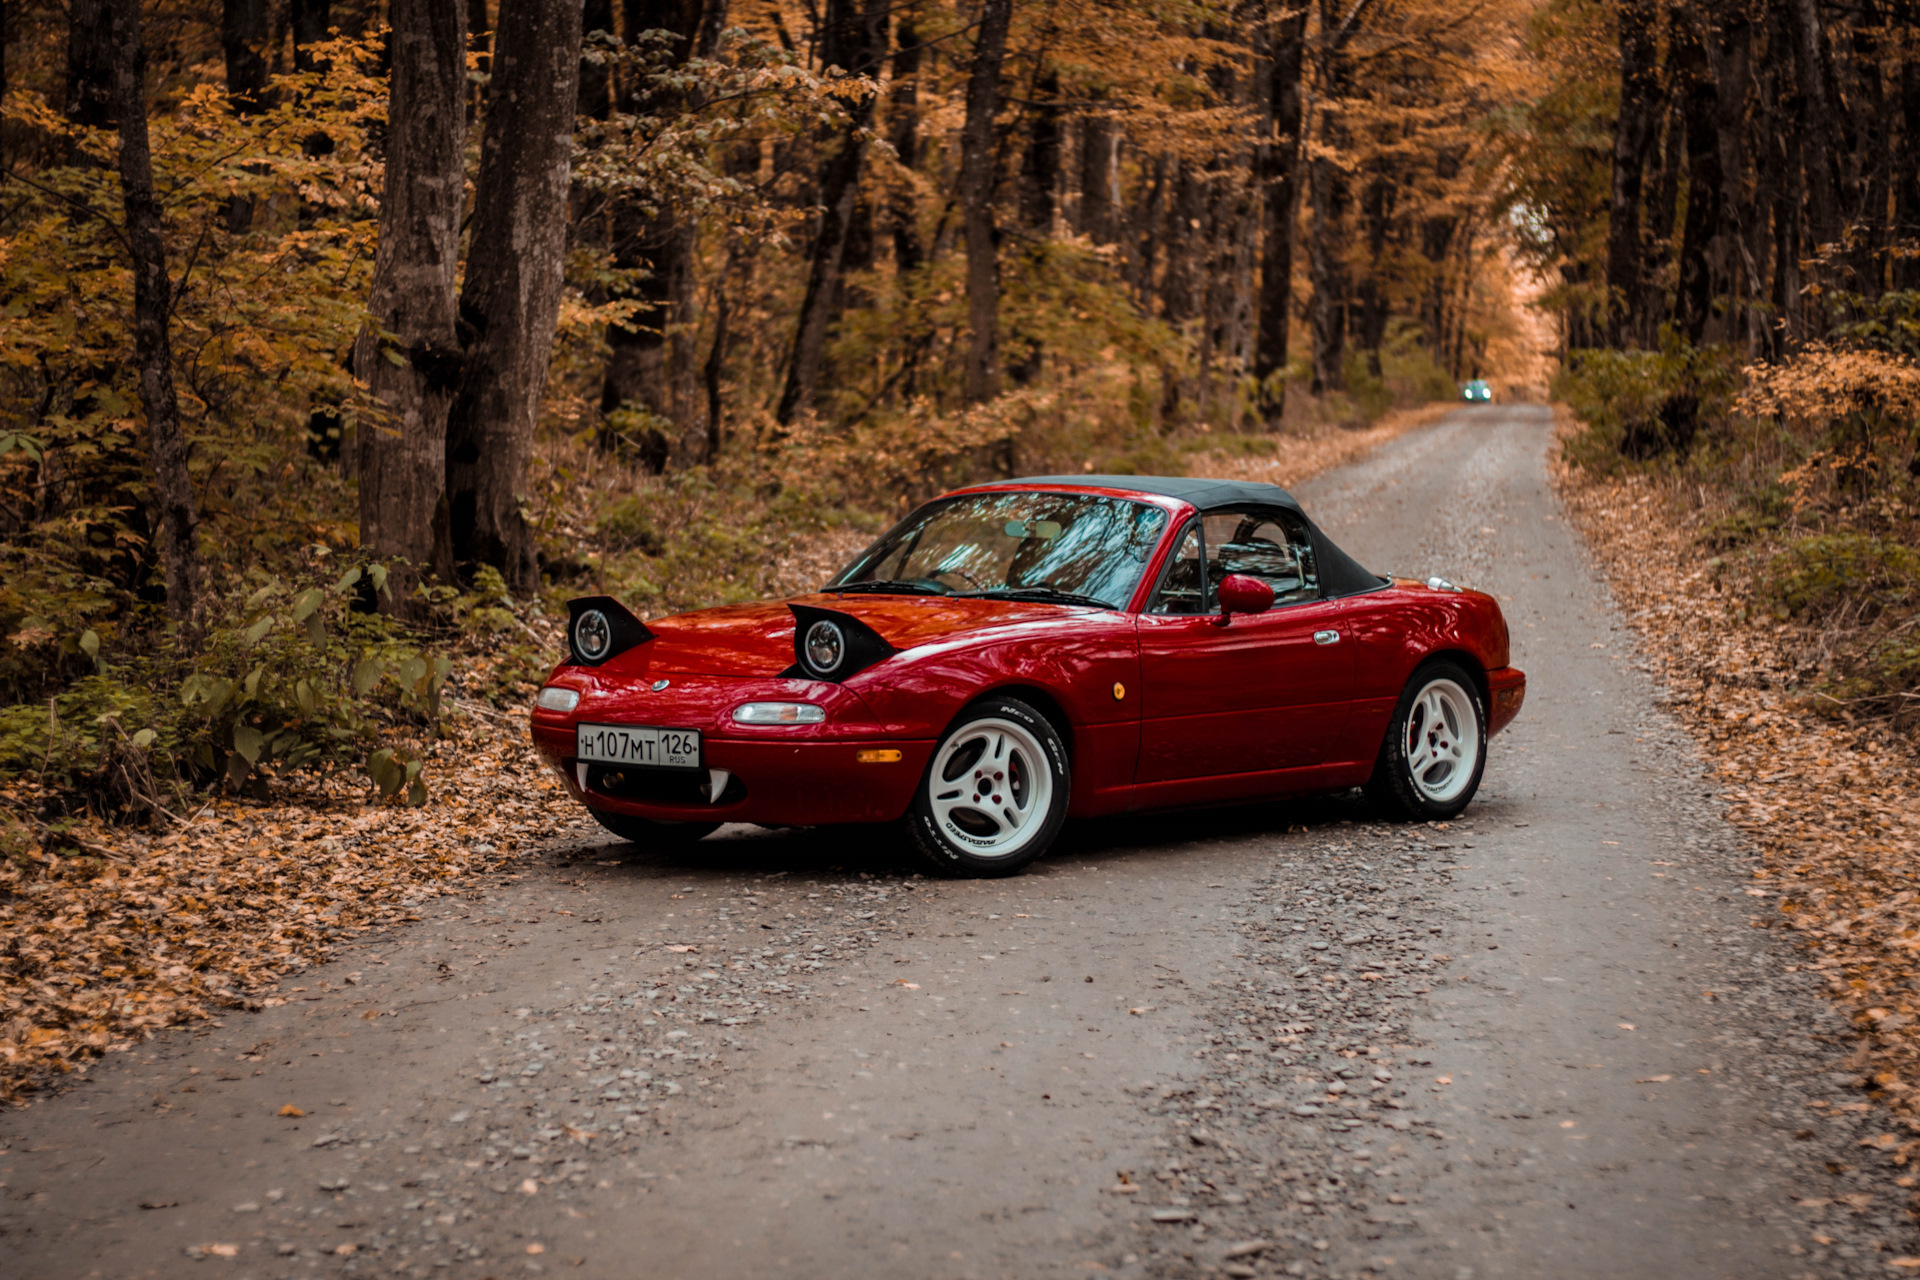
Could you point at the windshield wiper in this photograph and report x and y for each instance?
(1050, 595)
(895, 587)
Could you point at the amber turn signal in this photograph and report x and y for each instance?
(1119, 691)
(879, 755)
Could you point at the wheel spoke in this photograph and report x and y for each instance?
(990, 788)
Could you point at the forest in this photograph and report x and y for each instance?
(342, 338)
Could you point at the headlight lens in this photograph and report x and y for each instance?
(779, 713)
(553, 698)
(592, 635)
(826, 647)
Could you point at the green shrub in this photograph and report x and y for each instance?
(1870, 575)
(1644, 405)
(292, 675)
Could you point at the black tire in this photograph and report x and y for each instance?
(649, 834)
(952, 822)
(1442, 792)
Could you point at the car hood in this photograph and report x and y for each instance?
(757, 639)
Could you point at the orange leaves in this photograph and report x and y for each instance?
(212, 915)
(1833, 807)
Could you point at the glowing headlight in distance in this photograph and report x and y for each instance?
(553, 698)
(778, 713)
(825, 647)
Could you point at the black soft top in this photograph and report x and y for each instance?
(1207, 495)
(1340, 573)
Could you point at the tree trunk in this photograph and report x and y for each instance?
(1906, 192)
(1039, 186)
(90, 64)
(1280, 177)
(1327, 268)
(1099, 178)
(649, 365)
(1370, 314)
(596, 82)
(1732, 57)
(976, 201)
(1699, 240)
(1819, 124)
(903, 119)
(1632, 136)
(311, 21)
(853, 40)
(152, 305)
(245, 34)
(510, 299)
(408, 356)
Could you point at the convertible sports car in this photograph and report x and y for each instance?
(1013, 654)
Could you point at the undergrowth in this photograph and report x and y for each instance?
(1806, 474)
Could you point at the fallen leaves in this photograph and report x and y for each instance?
(291, 1112)
(126, 931)
(1834, 806)
(1661, 1079)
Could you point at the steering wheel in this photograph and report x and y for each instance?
(958, 573)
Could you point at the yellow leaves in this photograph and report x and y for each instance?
(290, 1111)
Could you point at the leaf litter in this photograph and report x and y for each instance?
(112, 933)
(1831, 802)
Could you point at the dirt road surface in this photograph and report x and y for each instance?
(1545, 1040)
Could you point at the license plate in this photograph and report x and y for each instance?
(638, 745)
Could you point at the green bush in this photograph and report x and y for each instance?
(291, 675)
(1869, 574)
(1645, 405)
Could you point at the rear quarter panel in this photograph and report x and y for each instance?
(1396, 629)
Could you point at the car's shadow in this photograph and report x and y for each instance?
(881, 850)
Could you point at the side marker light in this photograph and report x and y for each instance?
(1119, 691)
(883, 755)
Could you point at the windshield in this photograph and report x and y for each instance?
(1070, 546)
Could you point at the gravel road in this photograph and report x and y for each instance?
(1547, 1039)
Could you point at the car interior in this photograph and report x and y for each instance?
(1260, 545)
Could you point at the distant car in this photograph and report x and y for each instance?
(1477, 391)
(1014, 653)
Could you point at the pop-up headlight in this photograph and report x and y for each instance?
(599, 628)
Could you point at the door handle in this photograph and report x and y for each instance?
(1326, 637)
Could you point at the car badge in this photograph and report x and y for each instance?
(658, 685)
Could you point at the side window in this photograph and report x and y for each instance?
(1183, 587)
(1271, 546)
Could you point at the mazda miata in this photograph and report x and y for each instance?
(1017, 653)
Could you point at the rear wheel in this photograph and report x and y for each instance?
(1436, 746)
(995, 793)
(649, 834)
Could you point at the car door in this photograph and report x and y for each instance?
(1263, 693)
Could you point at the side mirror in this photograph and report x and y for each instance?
(1241, 594)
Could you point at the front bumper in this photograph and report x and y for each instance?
(779, 775)
(778, 783)
(1506, 690)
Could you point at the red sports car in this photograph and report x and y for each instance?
(1018, 653)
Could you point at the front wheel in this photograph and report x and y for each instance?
(995, 793)
(649, 834)
(1436, 746)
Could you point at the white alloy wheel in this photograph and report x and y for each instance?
(990, 789)
(1442, 741)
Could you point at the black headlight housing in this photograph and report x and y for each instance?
(829, 645)
(600, 628)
